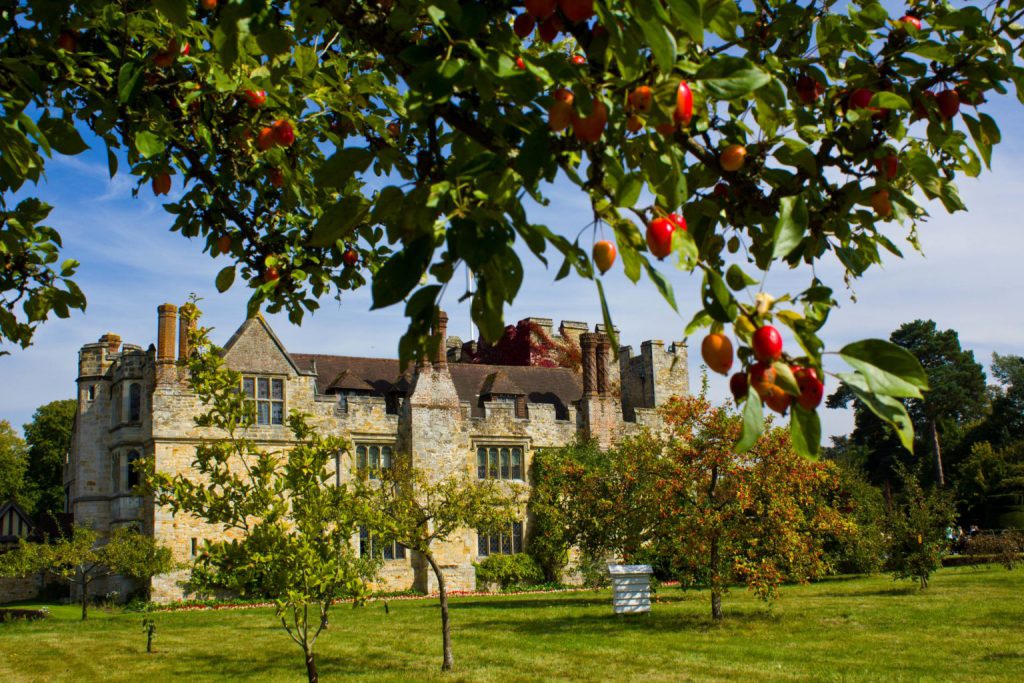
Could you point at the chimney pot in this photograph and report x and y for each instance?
(166, 318)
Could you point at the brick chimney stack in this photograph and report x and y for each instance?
(441, 357)
(167, 315)
(602, 348)
(588, 345)
(112, 341)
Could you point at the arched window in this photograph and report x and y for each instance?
(134, 403)
(133, 473)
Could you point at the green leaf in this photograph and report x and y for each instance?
(663, 285)
(400, 273)
(337, 170)
(688, 15)
(62, 136)
(790, 227)
(609, 328)
(718, 302)
(699, 322)
(887, 368)
(339, 221)
(175, 10)
(737, 279)
(805, 431)
(149, 144)
(660, 40)
(628, 191)
(225, 278)
(785, 379)
(727, 77)
(889, 100)
(686, 248)
(753, 422)
(889, 409)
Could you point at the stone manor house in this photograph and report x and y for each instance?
(452, 414)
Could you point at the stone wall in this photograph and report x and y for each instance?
(14, 589)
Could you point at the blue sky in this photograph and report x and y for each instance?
(967, 279)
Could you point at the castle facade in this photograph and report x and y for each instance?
(457, 413)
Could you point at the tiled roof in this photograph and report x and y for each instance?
(380, 376)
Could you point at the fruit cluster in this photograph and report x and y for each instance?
(778, 383)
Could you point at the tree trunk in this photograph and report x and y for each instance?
(85, 601)
(311, 667)
(446, 635)
(716, 589)
(938, 455)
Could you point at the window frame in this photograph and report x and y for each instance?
(499, 461)
(368, 545)
(365, 468)
(261, 391)
(501, 542)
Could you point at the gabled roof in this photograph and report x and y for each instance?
(498, 382)
(559, 387)
(17, 509)
(264, 326)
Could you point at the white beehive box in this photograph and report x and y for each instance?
(631, 588)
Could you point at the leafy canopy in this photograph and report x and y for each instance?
(400, 140)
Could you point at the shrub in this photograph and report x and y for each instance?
(509, 571)
(1004, 547)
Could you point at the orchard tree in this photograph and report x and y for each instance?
(759, 517)
(916, 525)
(321, 146)
(83, 558)
(288, 526)
(420, 513)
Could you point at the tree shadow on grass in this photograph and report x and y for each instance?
(894, 590)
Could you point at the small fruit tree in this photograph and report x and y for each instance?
(324, 145)
(288, 526)
(82, 558)
(421, 513)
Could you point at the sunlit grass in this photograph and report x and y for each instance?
(969, 626)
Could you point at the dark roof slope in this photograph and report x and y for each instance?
(380, 376)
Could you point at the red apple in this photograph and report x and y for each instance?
(887, 166)
(540, 9)
(590, 128)
(641, 98)
(767, 344)
(860, 98)
(284, 134)
(577, 10)
(265, 140)
(578, 60)
(811, 388)
(275, 177)
(350, 257)
(255, 98)
(271, 274)
(523, 25)
(881, 203)
(520, 64)
(67, 41)
(659, 236)
(677, 220)
(809, 89)
(161, 183)
(949, 103)
(716, 350)
(208, 5)
(684, 104)
(738, 386)
(604, 255)
(911, 20)
(550, 28)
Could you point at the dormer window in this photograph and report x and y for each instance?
(499, 388)
(268, 394)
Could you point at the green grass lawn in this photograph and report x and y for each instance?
(969, 626)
